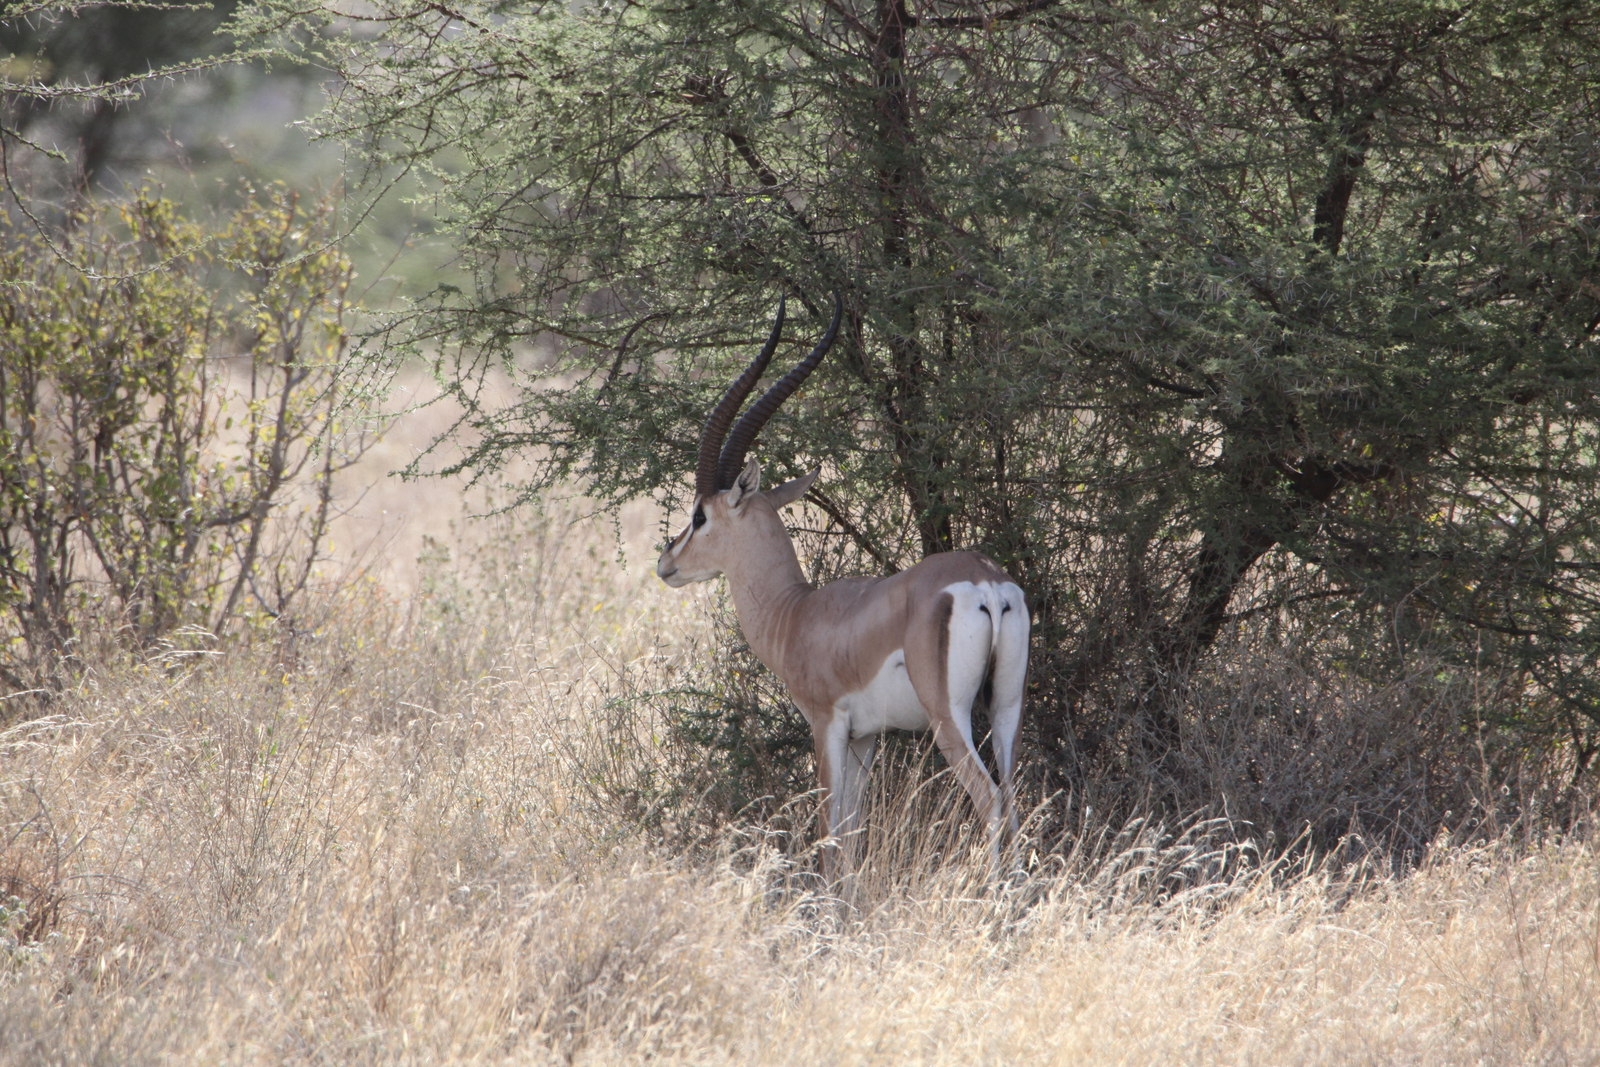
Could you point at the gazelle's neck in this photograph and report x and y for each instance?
(767, 584)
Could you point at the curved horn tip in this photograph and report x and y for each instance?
(708, 479)
(750, 424)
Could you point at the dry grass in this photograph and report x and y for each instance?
(434, 831)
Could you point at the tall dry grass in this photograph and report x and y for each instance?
(445, 829)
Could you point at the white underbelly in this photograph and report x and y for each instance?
(887, 703)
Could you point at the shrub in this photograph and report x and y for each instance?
(170, 422)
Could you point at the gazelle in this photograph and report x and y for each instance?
(860, 655)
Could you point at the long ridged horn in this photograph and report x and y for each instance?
(744, 433)
(705, 472)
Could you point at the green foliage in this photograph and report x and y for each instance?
(750, 751)
(166, 392)
(1181, 312)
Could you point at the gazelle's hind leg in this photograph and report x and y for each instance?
(1007, 682)
(947, 662)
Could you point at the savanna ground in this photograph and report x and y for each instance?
(432, 820)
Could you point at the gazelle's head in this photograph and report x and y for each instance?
(730, 510)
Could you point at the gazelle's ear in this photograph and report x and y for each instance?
(792, 490)
(748, 483)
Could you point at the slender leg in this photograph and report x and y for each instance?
(947, 668)
(858, 756)
(1008, 683)
(855, 762)
(955, 742)
(830, 734)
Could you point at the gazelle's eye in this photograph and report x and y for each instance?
(699, 517)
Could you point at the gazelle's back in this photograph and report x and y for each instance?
(843, 633)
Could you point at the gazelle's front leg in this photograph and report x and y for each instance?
(859, 753)
(842, 766)
(830, 736)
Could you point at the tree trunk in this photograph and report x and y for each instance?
(904, 399)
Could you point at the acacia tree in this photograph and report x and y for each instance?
(1180, 311)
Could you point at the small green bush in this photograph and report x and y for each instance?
(170, 426)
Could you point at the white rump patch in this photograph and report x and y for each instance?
(987, 620)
